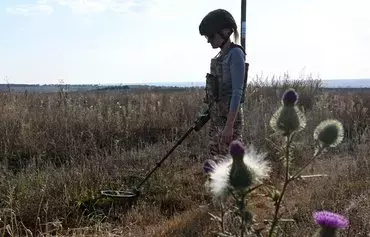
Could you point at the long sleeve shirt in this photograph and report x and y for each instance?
(234, 69)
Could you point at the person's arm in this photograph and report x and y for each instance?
(237, 71)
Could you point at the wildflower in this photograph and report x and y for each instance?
(290, 98)
(288, 118)
(237, 149)
(240, 175)
(240, 169)
(329, 133)
(330, 222)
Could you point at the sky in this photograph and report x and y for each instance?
(139, 41)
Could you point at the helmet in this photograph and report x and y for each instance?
(215, 21)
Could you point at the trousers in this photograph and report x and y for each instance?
(218, 119)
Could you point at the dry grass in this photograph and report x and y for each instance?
(58, 150)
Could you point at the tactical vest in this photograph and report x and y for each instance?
(217, 88)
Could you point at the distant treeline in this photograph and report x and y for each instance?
(111, 88)
(44, 88)
(85, 88)
(124, 88)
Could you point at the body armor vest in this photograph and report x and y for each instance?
(217, 88)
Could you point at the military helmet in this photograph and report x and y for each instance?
(215, 21)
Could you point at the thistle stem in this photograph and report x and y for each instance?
(242, 207)
(309, 162)
(254, 188)
(222, 218)
(287, 180)
(233, 195)
(242, 227)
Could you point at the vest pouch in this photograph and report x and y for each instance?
(212, 88)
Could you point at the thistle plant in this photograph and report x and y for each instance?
(242, 171)
(288, 120)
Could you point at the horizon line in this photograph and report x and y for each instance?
(157, 82)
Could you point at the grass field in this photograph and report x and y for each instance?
(59, 150)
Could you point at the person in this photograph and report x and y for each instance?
(225, 84)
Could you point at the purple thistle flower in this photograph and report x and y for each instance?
(237, 149)
(290, 97)
(330, 220)
(209, 165)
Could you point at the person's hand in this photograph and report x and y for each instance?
(227, 134)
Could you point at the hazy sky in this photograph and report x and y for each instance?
(124, 41)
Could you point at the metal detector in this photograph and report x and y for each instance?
(134, 193)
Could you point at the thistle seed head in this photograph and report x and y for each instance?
(288, 119)
(238, 173)
(329, 133)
